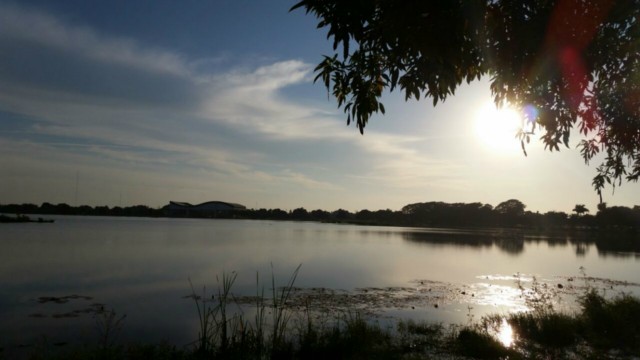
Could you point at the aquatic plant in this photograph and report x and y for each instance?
(215, 326)
(611, 323)
(224, 331)
(603, 327)
(478, 344)
(109, 325)
(281, 315)
(600, 325)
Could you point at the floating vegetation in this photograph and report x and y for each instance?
(62, 299)
(23, 219)
(423, 294)
(90, 309)
(301, 323)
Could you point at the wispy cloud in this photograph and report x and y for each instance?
(252, 102)
(112, 105)
(33, 26)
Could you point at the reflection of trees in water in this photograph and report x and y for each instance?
(512, 245)
(581, 249)
(618, 244)
(512, 241)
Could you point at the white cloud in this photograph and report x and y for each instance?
(291, 176)
(17, 23)
(215, 139)
(269, 77)
(251, 101)
(402, 162)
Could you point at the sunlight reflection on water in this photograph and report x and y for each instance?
(140, 267)
(501, 296)
(505, 333)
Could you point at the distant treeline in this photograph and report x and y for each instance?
(510, 213)
(65, 209)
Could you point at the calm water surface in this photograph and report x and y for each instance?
(141, 267)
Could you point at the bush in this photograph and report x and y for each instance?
(613, 323)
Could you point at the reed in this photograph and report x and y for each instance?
(281, 315)
(223, 330)
(600, 327)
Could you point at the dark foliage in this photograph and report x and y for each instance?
(479, 345)
(510, 213)
(66, 209)
(612, 323)
(564, 63)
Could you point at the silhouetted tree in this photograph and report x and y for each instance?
(83, 210)
(580, 209)
(101, 210)
(436, 213)
(555, 218)
(341, 215)
(388, 217)
(320, 215)
(618, 216)
(64, 208)
(300, 214)
(563, 63)
(364, 215)
(511, 212)
(602, 206)
(20, 209)
(511, 207)
(278, 214)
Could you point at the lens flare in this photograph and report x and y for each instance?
(530, 114)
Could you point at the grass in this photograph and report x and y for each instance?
(477, 344)
(613, 323)
(603, 327)
(550, 330)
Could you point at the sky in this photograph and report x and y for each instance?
(121, 103)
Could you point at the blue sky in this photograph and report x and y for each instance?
(140, 102)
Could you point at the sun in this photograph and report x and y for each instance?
(497, 128)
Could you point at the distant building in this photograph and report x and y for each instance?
(206, 209)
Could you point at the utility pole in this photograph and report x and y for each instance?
(77, 180)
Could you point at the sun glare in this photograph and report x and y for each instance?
(505, 333)
(496, 128)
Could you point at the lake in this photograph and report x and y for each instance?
(53, 275)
